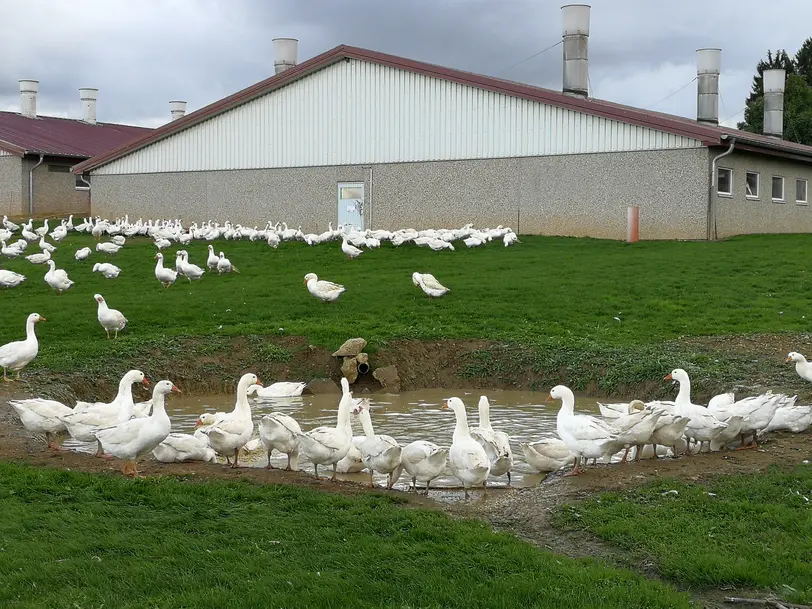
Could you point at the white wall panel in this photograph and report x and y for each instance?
(355, 112)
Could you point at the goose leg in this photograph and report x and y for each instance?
(333, 477)
(638, 451)
(53, 441)
(236, 455)
(414, 484)
(576, 469)
(100, 452)
(371, 478)
(287, 468)
(269, 466)
(508, 475)
(5, 378)
(108, 332)
(625, 455)
(316, 467)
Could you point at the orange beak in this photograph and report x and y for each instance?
(788, 360)
(259, 383)
(145, 382)
(305, 282)
(445, 405)
(198, 423)
(175, 389)
(550, 398)
(668, 378)
(41, 318)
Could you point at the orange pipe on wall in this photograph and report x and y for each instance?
(632, 224)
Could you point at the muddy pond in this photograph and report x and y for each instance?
(408, 416)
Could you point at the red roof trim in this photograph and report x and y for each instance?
(708, 135)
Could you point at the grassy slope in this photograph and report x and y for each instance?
(755, 531)
(558, 294)
(73, 539)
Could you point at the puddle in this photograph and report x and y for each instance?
(409, 416)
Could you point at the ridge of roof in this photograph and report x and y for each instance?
(708, 135)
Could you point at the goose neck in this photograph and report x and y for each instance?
(461, 429)
(30, 333)
(684, 393)
(366, 423)
(484, 414)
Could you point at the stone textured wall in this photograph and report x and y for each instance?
(582, 195)
(11, 199)
(738, 214)
(54, 192)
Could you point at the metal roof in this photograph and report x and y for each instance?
(62, 136)
(709, 135)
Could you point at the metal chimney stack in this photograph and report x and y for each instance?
(774, 82)
(708, 67)
(177, 109)
(28, 98)
(284, 53)
(576, 49)
(89, 97)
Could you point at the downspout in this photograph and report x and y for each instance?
(371, 195)
(82, 177)
(31, 185)
(712, 234)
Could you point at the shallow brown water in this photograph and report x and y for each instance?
(409, 416)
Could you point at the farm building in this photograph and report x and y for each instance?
(37, 152)
(363, 138)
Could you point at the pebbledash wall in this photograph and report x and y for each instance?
(739, 213)
(54, 191)
(579, 195)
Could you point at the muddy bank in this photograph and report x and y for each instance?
(213, 364)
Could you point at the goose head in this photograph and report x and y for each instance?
(794, 356)
(99, 298)
(35, 318)
(416, 278)
(204, 420)
(678, 375)
(560, 392)
(136, 376)
(454, 404)
(159, 256)
(309, 277)
(164, 388)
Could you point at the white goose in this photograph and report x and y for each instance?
(227, 436)
(166, 276)
(39, 258)
(669, 429)
(82, 425)
(224, 265)
(349, 249)
(756, 413)
(42, 416)
(328, 445)
(17, 355)
(547, 455)
(181, 447)
(10, 279)
(423, 461)
(110, 271)
(110, 319)
(212, 259)
(45, 246)
(326, 291)
(82, 254)
(429, 284)
(586, 436)
(703, 426)
(380, 453)
(495, 443)
(467, 460)
(791, 417)
(280, 389)
(57, 278)
(135, 437)
(635, 428)
(187, 269)
(802, 367)
(280, 431)
(123, 399)
(10, 252)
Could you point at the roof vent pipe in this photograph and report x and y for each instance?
(708, 67)
(28, 98)
(284, 53)
(576, 47)
(88, 97)
(177, 109)
(774, 82)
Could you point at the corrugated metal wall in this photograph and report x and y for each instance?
(355, 112)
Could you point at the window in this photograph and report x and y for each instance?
(724, 181)
(800, 191)
(778, 188)
(82, 184)
(751, 185)
(59, 168)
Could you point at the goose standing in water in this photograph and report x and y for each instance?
(467, 459)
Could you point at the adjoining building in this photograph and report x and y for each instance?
(363, 138)
(37, 152)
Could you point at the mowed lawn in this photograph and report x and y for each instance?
(745, 531)
(540, 289)
(78, 540)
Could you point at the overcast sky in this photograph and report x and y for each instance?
(142, 54)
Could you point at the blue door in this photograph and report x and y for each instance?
(351, 205)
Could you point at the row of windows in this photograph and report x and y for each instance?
(752, 186)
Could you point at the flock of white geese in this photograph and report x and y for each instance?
(128, 430)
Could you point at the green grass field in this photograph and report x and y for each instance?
(78, 540)
(559, 295)
(747, 531)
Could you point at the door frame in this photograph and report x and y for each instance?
(362, 186)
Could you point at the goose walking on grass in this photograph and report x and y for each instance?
(349, 249)
(326, 291)
(82, 254)
(224, 265)
(108, 248)
(39, 258)
(10, 279)
(429, 284)
(186, 268)
(57, 278)
(131, 439)
(467, 460)
(17, 355)
(9, 252)
(110, 319)
(165, 275)
(110, 271)
(212, 259)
